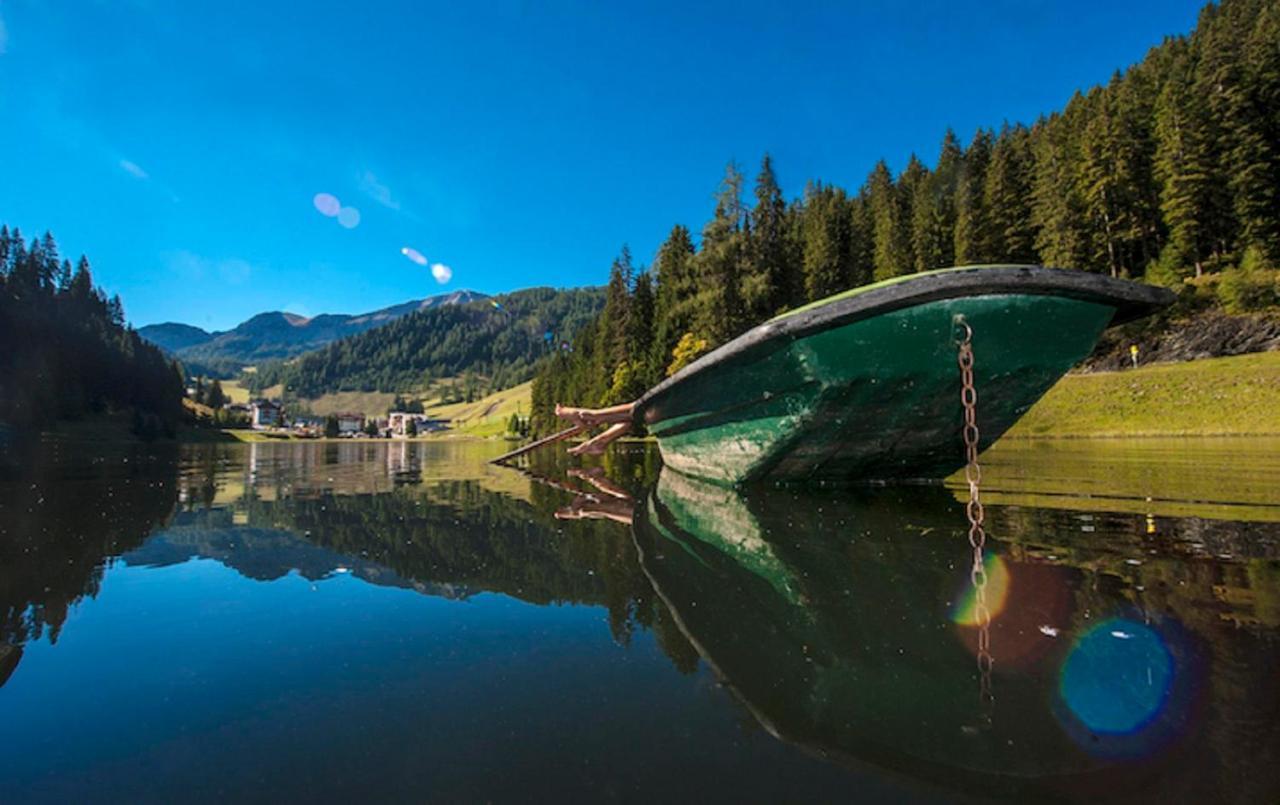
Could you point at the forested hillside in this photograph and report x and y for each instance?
(500, 338)
(276, 334)
(1169, 173)
(67, 351)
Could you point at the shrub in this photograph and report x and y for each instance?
(1251, 287)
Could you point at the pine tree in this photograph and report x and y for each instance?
(115, 311)
(640, 334)
(914, 179)
(1057, 211)
(933, 213)
(721, 261)
(771, 247)
(617, 311)
(215, 397)
(890, 253)
(826, 241)
(973, 236)
(1191, 197)
(1251, 102)
(49, 263)
(674, 297)
(1007, 196)
(861, 241)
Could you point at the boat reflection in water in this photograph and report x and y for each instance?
(845, 625)
(400, 619)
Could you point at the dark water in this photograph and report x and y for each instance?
(404, 622)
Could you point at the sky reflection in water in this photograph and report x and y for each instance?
(303, 621)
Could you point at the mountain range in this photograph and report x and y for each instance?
(277, 335)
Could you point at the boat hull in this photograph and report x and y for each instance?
(874, 393)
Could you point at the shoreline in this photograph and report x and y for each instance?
(1225, 397)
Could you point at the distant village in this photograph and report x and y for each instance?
(274, 416)
(271, 415)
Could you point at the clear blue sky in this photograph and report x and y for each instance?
(180, 144)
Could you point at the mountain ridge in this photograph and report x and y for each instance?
(279, 334)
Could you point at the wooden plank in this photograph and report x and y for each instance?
(555, 437)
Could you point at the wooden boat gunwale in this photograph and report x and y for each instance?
(1131, 300)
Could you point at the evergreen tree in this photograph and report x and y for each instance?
(617, 311)
(721, 261)
(933, 211)
(1252, 105)
(890, 252)
(215, 397)
(640, 334)
(1057, 212)
(861, 241)
(1007, 197)
(973, 235)
(771, 250)
(826, 241)
(913, 181)
(1192, 197)
(674, 299)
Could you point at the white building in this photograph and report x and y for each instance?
(265, 414)
(350, 424)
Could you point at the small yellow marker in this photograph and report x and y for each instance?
(1133, 353)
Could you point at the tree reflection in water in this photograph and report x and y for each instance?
(837, 619)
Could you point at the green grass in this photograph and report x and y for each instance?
(235, 392)
(488, 416)
(1232, 396)
(206, 435)
(369, 403)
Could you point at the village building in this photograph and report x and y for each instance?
(398, 423)
(265, 414)
(350, 424)
(307, 424)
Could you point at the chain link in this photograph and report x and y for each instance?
(973, 509)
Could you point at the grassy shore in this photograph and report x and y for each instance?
(488, 416)
(1232, 396)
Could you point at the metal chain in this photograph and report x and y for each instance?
(973, 509)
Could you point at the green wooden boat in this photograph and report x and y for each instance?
(864, 385)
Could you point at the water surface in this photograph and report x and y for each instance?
(405, 621)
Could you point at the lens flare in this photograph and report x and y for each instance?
(327, 204)
(1117, 677)
(349, 217)
(442, 273)
(414, 255)
(965, 611)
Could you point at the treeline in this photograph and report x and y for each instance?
(500, 339)
(1171, 172)
(67, 350)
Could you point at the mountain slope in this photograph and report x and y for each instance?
(172, 336)
(274, 335)
(500, 339)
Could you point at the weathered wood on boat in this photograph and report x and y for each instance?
(864, 385)
(555, 437)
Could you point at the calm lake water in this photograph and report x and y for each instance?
(364, 621)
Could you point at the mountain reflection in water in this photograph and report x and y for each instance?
(1134, 651)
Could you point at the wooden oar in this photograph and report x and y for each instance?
(555, 437)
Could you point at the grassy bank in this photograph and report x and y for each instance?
(1239, 395)
(487, 416)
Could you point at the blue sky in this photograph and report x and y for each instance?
(180, 145)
